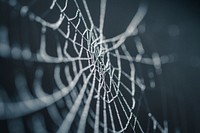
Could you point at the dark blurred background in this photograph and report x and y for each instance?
(171, 28)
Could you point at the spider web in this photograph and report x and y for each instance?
(67, 76)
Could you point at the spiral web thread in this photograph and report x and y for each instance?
(92, 79)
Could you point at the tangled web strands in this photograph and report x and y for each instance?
(66, 75)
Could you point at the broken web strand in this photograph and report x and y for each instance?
(44, 57)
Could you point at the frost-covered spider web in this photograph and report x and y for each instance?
(63, 75)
